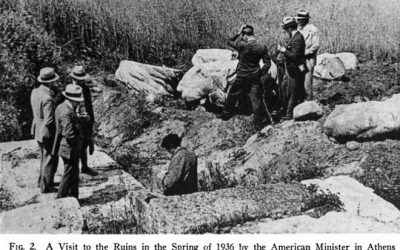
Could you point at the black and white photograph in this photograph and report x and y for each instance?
(220, 117)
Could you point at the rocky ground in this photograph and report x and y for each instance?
(288, 177)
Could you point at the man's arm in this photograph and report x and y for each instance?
(297, 51)
(236, 41)
(314, 43)
(68, 130)
(266, 60)
(48, 118)
(174, 172)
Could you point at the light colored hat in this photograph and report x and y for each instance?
(47, 75)
(79, 73)
(303, 14)
(288, 22)
(73, 92)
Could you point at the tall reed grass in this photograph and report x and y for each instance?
(154, 30)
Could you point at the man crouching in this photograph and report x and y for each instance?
(181, 177)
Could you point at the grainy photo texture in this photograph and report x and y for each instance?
(193, 117)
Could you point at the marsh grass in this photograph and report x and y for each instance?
(154, 30)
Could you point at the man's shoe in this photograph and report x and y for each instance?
(287, 118)
(89, 171)
(49, 190)
(225, 116)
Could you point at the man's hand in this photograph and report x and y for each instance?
(91, 148)
(281, 49)
(241, 29)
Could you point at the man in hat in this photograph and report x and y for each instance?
(248, 73)
(181, 177)
(310, 34)
(68, 140)
(43, 127)
(86, 117)
(295, 65)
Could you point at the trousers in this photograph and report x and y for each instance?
(295, 93)
(69, 185)
(308, 81)
(48, 166)
(241, 89)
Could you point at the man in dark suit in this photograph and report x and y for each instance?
(43, 127)
(68, 140)
(86, 117)
(248, 73)
(295, 64)
(181, 177)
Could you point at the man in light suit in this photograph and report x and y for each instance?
(311, 37)
(43, 127)
(68, 140)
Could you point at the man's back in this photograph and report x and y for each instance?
(311, 37)
(250, 54)
(43, 113)
(181, 177)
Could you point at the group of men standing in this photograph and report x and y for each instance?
(63, 127)
(295, 61)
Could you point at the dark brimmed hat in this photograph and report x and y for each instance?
(79, 73)
(47, 75)
(73, 92)
(288, 22)
(303, 14)
(171, 141)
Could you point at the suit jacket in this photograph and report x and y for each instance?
(88, 108)
(68, 137)
(250, 54)
(181, 177)
(294, 55)
(42, 102)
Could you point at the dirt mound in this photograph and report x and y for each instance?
(370, 82)
(131, 129)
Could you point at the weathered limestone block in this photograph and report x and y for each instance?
(332, 222)
(155, 80)
(59, 216)
(366, 120)
(211, 211)
(309, 110)
(358, 199)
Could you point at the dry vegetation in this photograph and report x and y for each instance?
(155, 30)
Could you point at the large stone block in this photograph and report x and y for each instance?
(60, 216)
(366, 120)
(358, 199)
(332, 222)
(309, 110)
(213, 211)
(154, 80)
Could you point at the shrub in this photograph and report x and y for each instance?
(25, 49)
(9, 127)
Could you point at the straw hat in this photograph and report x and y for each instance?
(47, 75)
(303, 14)
(79, 73)
(73, 92)
(288, 22)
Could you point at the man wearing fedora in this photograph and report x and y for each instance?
(295, 65)
(310, 34)
(248, 73)
(86, 117)
(68, 140)
(43, 126)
